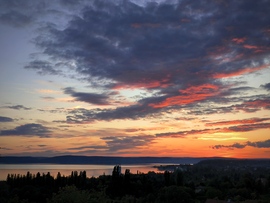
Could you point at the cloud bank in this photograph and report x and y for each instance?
(259, 144)
(28, 130)
(5, 119)
(180, 51)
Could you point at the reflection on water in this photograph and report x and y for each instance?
(91, 170)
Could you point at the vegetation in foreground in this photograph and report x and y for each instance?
(212, 179)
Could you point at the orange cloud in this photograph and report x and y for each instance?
(258, 103)
(189, 95)
(239, 40)
(153, 84)
(145, 83)
(247, 46)
(231, 129)
(236, 122)
(254, 105)
(257, 49)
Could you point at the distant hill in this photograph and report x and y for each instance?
(109, 160)
(70, 159)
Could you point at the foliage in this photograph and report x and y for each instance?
(70, 194)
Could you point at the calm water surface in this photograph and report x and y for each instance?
(65, 169)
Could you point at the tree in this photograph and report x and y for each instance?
(167, 177)
(174, 194)
(179, 177)
(70, 194)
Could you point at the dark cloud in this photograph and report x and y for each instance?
(134, 112)
(248, 104)
(29, 130)
(127, 142)
(20, 14)
(241, 90)
(43, 67)
(254, 105)
(92, 98)
(42, 145)
(91, 147)
(18, 107)
(179, 51)
(235, 122)
(118, 144)
(235, 145)
(5, 119)
(266, 86)
(16, 19)
(249, 127)
(236, 128)
(259, 144)
(5, 148)
(156, 40)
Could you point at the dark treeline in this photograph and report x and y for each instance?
(186, 184)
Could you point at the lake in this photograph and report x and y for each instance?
(65, 169)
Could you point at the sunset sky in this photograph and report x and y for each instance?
(135, 78)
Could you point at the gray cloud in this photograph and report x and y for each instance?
(92, 98)
(43, 67)
(91, 147)
(5, 148)
(18, 107)
(29, 130)
(249, 127)
(266, 86)
(127, 142)
(5, 119)
(16, 19)
(118, 144)
(48, 98)
(133, 112)
(259, 144)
